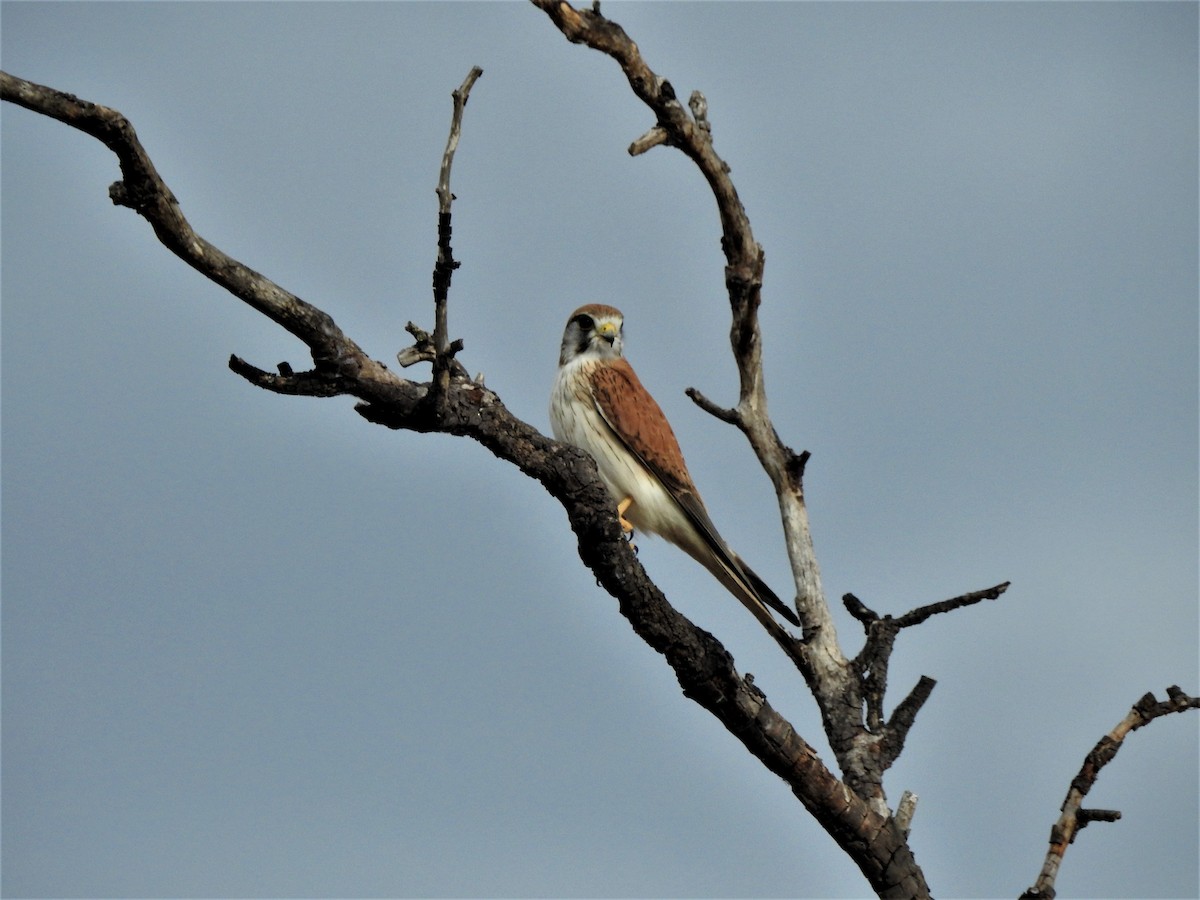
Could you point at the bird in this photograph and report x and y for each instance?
(599, 405)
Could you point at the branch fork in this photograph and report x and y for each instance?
(443, 270)
(1074, 816)
(854, 810)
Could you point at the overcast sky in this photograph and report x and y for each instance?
(254, 646)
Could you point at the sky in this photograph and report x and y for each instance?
(254, 646)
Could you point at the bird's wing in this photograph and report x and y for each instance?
(639, 423)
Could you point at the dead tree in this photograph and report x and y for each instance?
(849, 690)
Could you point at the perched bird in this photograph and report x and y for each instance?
(599, 405)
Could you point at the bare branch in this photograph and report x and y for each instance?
(730, 416)
(904, 716)
(306, 384)
(870, 667)
(919, 615)
(443, 269)
(459, 95)
(692, 135)
(1085, 816)
(1074, 817)
(703, 667)
(860, 610)
(655, 137)
(143, 190)
(869, 617)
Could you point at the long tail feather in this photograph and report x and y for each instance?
(765, 594)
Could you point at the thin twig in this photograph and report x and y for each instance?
(920, 614)
(870, 666)
(704, 668)
(460, 96)
(691, 133)
(443, 268)
(1074, 818)
(903, 717)
(859, 610)
(655, 137)
(304, 384)
(731, 416)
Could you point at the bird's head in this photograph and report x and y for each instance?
(593, 330)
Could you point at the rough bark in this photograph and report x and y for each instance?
(850, 692)
(1074, 816)
(704, 668)
(863, 744)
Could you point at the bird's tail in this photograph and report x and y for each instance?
(742, 581)
(762, 592)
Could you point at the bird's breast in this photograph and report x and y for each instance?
(576, 420)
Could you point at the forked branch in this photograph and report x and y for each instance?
(1074, 816)
(853, 811)
(871, 664)
(864, 750)
(443, 269)
(336, 357)
(704, 668)
(691, 133)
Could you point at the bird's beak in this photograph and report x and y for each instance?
(607, 331)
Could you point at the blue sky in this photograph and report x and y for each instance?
(254, 646)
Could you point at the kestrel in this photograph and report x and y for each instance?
(599, 405)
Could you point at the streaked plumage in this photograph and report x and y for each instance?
(599, 404)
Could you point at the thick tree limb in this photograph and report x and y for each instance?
(864, 750)
(850, 693)
(825, 668)
(704, 668)
(692, 134)
(1074, 817)
(142, 190)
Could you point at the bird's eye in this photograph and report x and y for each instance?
(585, 322)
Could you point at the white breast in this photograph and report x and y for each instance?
(575, 420)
